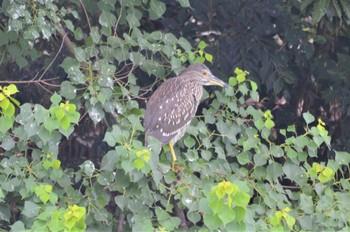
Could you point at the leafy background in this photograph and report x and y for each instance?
(269, 153)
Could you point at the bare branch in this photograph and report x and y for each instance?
(41, 82)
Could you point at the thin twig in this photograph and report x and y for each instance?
(120, 15)
(86, 14)
(82, 117)
(59, 50)
(47, 90)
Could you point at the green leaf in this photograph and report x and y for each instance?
(46, 164)
(254, 86)
(51, 124)
(319, 10)
(184, 44)
(11, 89)
(2, 96)
(96, 113)
(88, 167)
(56, 164)
(243, 158)
(157, 9)
(10, 111)
(213, 222)
(241, 199)
(274, 171)
(214, 203)
(276, 151)
(227, 215)
(291, 128)
(240, 213)
(56, 99)
(275, 220)
(189, 142)
(95, 34)
(240, 78)
(17, 226)
(199, 60)
(67, 90)
(346, 7)
(137, 58)
(74, 218)
(175, 64)
(107, 19)
(17, 103)
(326, 175)
(109, 160)
(68, 23)
(269, 123)
(60, 113)
(56, 221)
(278, 85)
(139, 163)
(76, 75)
(5, 123)
(2, 196)
(209, 57)
(30, 209)
(65, 123)
(308, 117)
(80, 54)
(202, 45)
(43, 192)
(53, 198)
(7, 143)
(306, 203)
(56, 175)
(68, 63)
(290, 220)
(194, 216)
(220, 193)
(232, 82)
(133, 20)
(302, 141)
(291, 153)
(74, 117)
(342, 157)
(4, 104)
(184, 3)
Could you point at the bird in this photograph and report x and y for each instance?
(174, 103)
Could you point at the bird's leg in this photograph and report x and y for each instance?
(172, 155)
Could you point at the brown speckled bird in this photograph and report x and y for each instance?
(173, 105)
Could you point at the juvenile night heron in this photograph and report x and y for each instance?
(173, 105)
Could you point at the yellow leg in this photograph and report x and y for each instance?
(173, 156)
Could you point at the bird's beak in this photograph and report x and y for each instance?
(216, 81)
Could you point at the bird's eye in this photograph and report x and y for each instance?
(205, 73)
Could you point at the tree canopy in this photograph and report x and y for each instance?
(268, 153)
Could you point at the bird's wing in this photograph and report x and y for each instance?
(170, 110)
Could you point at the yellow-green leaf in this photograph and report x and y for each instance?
(254, 85)
(209, 57)
(139, 164)
(56, 164)
(290, 221)
(328, 172)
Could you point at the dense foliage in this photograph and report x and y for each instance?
(75, 77)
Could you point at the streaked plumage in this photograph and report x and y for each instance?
(173, 105)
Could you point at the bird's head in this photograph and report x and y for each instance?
(202, 75)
